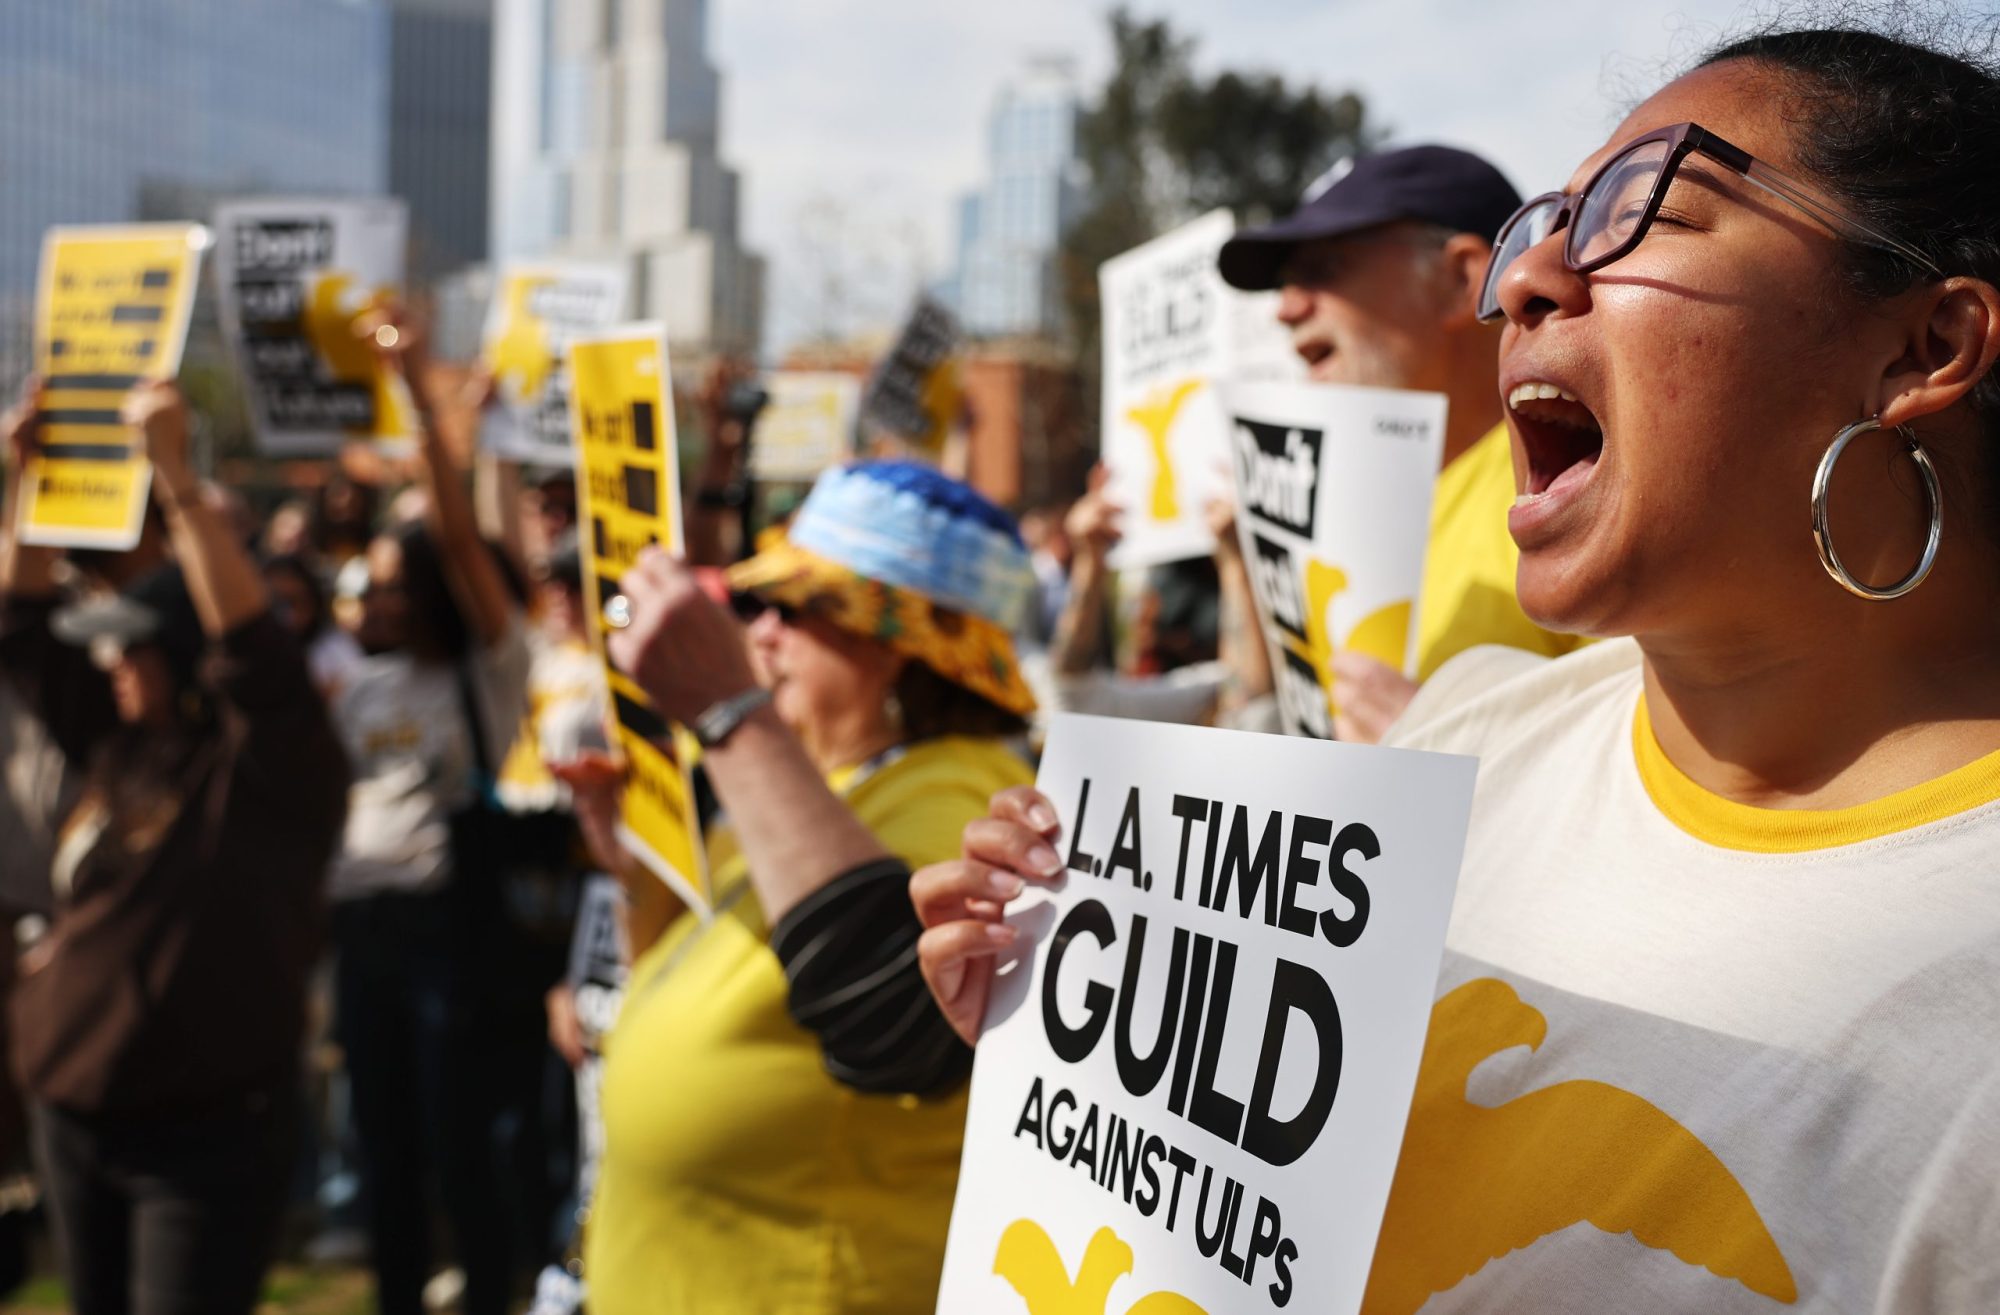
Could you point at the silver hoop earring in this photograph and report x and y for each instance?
(1823, 533)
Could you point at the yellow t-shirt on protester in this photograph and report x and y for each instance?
(1468, 597)
(738, 1176)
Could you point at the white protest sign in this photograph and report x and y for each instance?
(1167, 333)
(537, 311)
(1333, 505)
(1260, 350)
(1197, 1068)
(295, 275)
(807, 425)
(598, 959)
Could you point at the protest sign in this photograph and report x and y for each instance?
(807, 425)
(111, 309)
(913, 398)
(1260, 347)
(536, 310)
(628, 496)
(1197, 1066)
(1333, 507)
(597, 972)
(1167, 332)
(295, 276)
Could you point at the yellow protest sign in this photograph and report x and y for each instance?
(628, 496)
(295, 277)
(112, 309)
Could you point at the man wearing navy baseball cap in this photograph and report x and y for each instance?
(1378, 274)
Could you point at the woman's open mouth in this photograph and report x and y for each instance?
(1560, 437)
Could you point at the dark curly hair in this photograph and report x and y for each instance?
(1907, 134)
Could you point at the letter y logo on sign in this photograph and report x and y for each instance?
(1191, 1090)
(1167, 343)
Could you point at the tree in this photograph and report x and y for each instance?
(1161, 145)
(858, 267)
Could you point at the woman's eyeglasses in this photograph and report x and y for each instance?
(1609, 217)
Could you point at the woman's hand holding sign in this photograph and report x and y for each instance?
(22, 425)
(683, 649)
(960, 902)
(25, 570)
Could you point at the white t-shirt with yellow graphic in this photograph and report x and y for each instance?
(1689, 1055)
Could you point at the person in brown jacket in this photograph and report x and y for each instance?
(156, 1028)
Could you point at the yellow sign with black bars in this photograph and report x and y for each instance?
(111, 310)
(628, 498)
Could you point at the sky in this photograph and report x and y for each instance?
(857, 123)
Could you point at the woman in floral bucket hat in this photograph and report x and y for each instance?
(783, 1104)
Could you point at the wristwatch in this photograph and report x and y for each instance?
(719, 721)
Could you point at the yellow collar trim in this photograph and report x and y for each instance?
(1710, 818)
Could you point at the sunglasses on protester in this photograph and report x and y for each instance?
(748, 607)
(1610, 215)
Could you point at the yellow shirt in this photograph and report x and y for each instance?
(738, 1176)
(1468, 597)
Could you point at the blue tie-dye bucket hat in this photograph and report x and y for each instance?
(898, 552)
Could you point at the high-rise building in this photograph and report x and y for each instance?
(606, 115)
(121, 110)
(114, 111)
(1004, 283)
(440, 94)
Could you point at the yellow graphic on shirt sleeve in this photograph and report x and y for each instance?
(1155, 417)
(1033, 1267)
(331, 314)
(521, 356)
(1475, 1183)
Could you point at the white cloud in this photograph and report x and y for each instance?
(883, 103)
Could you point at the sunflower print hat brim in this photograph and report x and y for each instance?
(898, 552)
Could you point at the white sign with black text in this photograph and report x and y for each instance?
(1334, 486)
(296, 276)
(1195, 1072)
(1168, 322)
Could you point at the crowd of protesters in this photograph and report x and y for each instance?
(299, 815)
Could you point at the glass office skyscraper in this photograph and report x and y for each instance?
(122, 110)
(606, 117)
(1005, 280)
(440, 94)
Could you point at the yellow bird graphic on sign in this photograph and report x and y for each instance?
(1155, 418)
(1475, 1183)
(1383, 634)
(521, 355)
(329, 323)
(1030, 1263)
